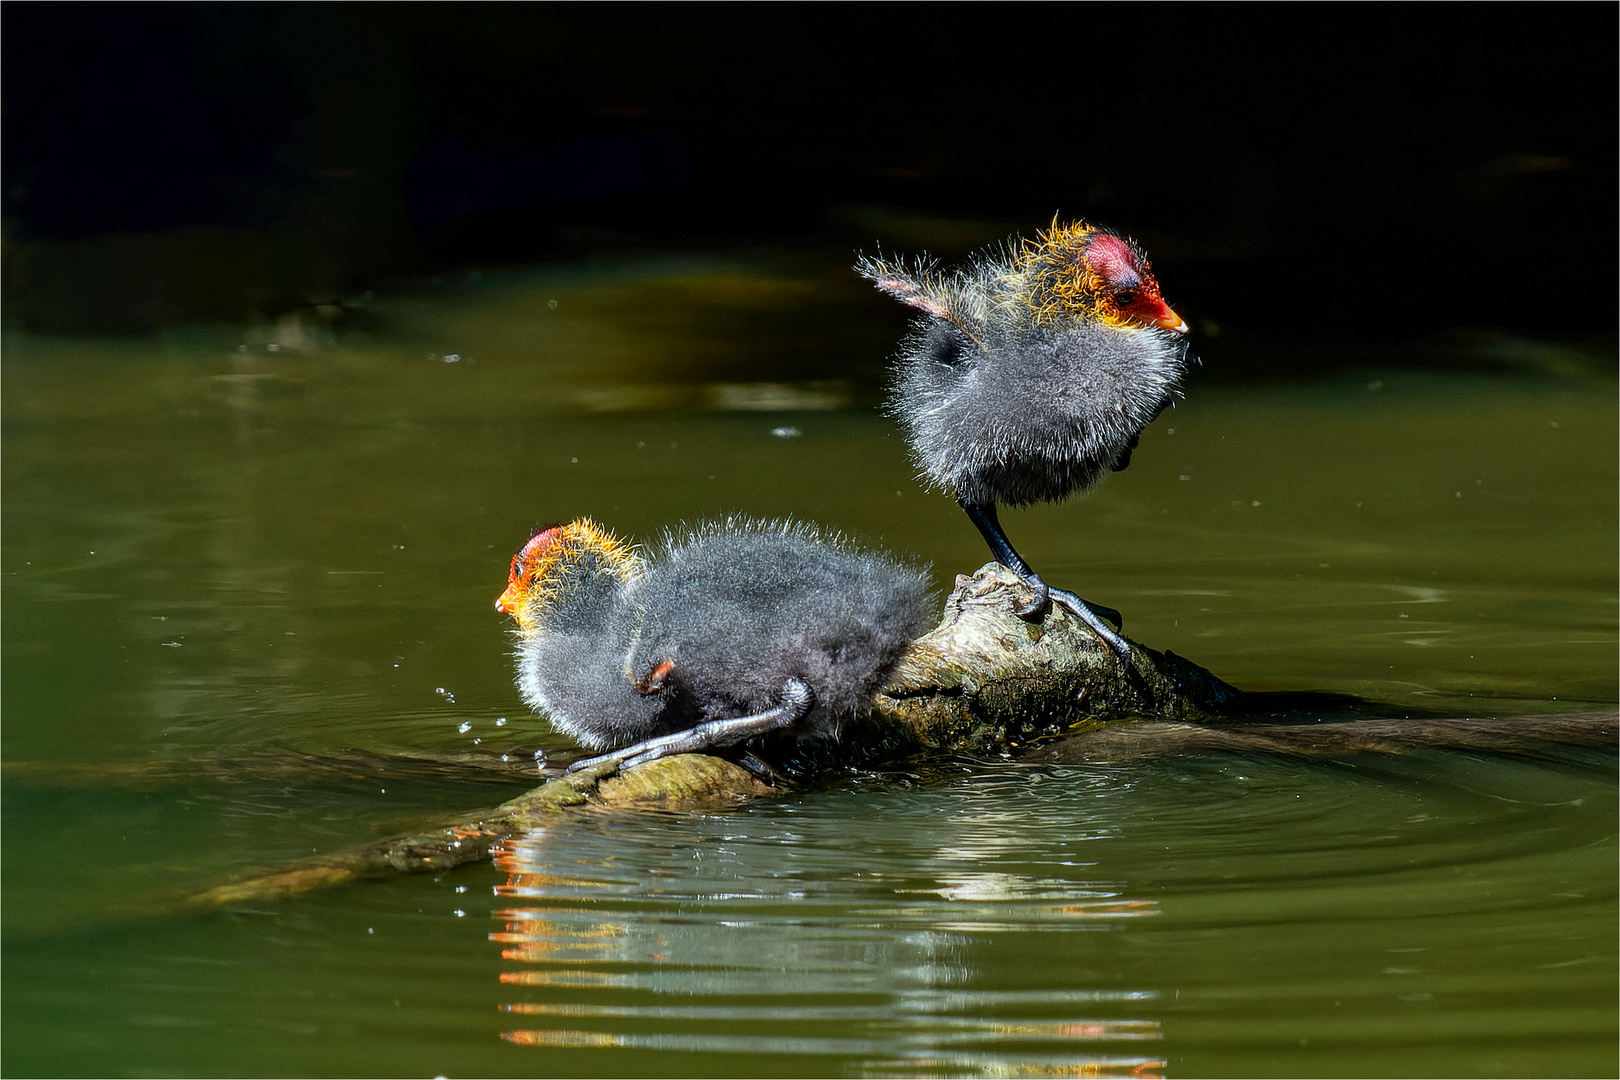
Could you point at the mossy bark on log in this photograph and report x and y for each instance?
(986, 680)
(983, 681)
(687, 781)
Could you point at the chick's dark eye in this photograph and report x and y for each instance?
(1124, 298)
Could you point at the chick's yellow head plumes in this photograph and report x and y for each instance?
(1081, 270)
(554, 560)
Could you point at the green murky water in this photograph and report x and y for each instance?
(213, 547)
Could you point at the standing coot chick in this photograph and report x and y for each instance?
(1031, 375)
(732, 630)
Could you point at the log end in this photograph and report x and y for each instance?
(277, 885)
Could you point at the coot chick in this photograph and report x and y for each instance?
(1030, 375)
(733, 629)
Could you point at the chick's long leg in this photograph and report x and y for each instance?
(984, 516)
(797, 698)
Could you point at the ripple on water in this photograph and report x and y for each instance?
(961, 927)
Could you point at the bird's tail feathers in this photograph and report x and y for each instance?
(922, 285)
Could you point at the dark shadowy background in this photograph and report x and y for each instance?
(1343, 175)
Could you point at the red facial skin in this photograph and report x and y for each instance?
(525, 564)
(1131, 289)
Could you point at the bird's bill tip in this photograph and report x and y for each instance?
(1170, 321)
(507, 602)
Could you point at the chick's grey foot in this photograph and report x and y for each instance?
(763, 770)
(797, 699)
(1073, 602)
(1044, 595)
(1093, 615)
(1040, 599)
(1084, 610)
(983, 515)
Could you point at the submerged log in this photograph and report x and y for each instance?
(685, 782)
(983, 681)
(1138, 740)
(402, 765)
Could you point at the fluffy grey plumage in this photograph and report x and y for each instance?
(1029, 414)
(618, 649)
(1007, 397)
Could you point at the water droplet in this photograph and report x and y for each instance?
(466, 726)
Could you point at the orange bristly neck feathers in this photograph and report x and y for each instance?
(555, 560)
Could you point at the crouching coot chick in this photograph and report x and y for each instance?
(1030, 376)
(729, 631)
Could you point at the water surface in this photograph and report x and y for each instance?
(223, 545)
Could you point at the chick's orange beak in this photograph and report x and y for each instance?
(1166, 319)
(507, 602)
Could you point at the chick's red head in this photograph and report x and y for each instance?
(1083, 270)
(556, 560)
(1126, 288)
(529, 564)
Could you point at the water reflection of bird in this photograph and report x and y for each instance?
(735, 629)
(1031, 375)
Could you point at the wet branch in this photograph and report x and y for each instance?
(684, 782)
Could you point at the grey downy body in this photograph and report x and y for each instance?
(727, 624)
